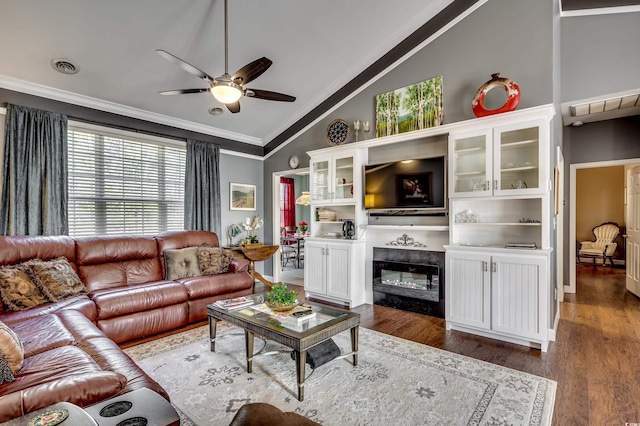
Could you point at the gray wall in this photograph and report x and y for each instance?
(600, 55)
(601, 141)
(513, 37)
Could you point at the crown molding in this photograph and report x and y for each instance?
(115, 108)
(402, 33)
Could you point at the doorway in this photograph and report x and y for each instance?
(289, 269)
(609, 204)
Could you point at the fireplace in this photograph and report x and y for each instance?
(411, 280)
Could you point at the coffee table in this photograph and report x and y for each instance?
(300, 337)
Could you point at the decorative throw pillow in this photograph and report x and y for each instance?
(181, 263)
(11, 353)
(56, 278)
(18, 290)
(214, 260)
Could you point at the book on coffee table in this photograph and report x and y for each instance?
(235, 303)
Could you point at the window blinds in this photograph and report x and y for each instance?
(119, 185)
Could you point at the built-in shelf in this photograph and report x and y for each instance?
(344, 167)
(518, 143)
(469, 150)
(518, 169)
(432, 228)
(470, 173)
(497, 224)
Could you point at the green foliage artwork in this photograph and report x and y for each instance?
(410, 108)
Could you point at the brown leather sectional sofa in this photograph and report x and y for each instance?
(71, 347)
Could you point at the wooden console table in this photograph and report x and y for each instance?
(255, 254)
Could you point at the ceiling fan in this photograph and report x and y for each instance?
(228, 89)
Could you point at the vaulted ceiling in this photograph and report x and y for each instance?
(317, 48)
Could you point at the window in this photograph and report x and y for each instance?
(124, 184)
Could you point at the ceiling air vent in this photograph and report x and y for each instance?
(64, 66)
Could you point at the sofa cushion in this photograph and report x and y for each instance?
(42, 334)
(56, 278)
(16, 249)
(212, 285)
(11, 353)
(79, 303)
(214, 260)
(181, 263)
(144, 297)
(17, 290)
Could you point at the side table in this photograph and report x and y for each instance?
(77, 416)
(253, 255)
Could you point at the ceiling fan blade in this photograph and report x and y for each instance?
(251, 71)
(183, 91)
(185, 65)
(234, 107)
(270, 96)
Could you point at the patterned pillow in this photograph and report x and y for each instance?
(181, 263)
(18, 290)
(56, 278)
(214, 260)
(11, 353)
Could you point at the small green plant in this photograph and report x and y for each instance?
(280, 295)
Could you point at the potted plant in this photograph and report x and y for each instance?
(304, 226)
(281, 298)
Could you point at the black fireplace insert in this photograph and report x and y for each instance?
(411, 280)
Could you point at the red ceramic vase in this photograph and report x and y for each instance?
(509, 86)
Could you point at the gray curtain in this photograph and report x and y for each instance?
(34, 181)
(202, 187)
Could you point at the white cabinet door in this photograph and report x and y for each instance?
(516, 296)
(468, 289)
(314, 267)
(470, 155)
(338, 272)
(333, 179)
(520, 159)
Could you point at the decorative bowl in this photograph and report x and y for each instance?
(284, 308)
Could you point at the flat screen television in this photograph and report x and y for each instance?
(418, 184)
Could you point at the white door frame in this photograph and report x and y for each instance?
(560, 229)
(275, 214)
(571, 288)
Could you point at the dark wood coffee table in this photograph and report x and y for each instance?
(327, 323)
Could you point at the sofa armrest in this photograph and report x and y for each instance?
(82, 390)
(610, 249)
(238, 264)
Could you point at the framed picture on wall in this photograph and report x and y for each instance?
(242, 197)
(415, 189)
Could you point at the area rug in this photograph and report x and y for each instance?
(396, 382)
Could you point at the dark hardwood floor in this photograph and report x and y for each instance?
(595, 359)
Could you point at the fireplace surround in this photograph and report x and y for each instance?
(411, 280)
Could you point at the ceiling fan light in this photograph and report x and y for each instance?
(226, 92)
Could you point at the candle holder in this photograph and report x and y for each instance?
(365, 128)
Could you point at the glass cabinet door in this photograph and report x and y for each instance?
(470, 159)
(343, 179)
(517, 165)
(319, 186)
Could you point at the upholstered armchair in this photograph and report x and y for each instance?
(604, 245)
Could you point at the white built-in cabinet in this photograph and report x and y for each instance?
(503, 160)
(499, 294)
(333, 270)
(500, 193)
